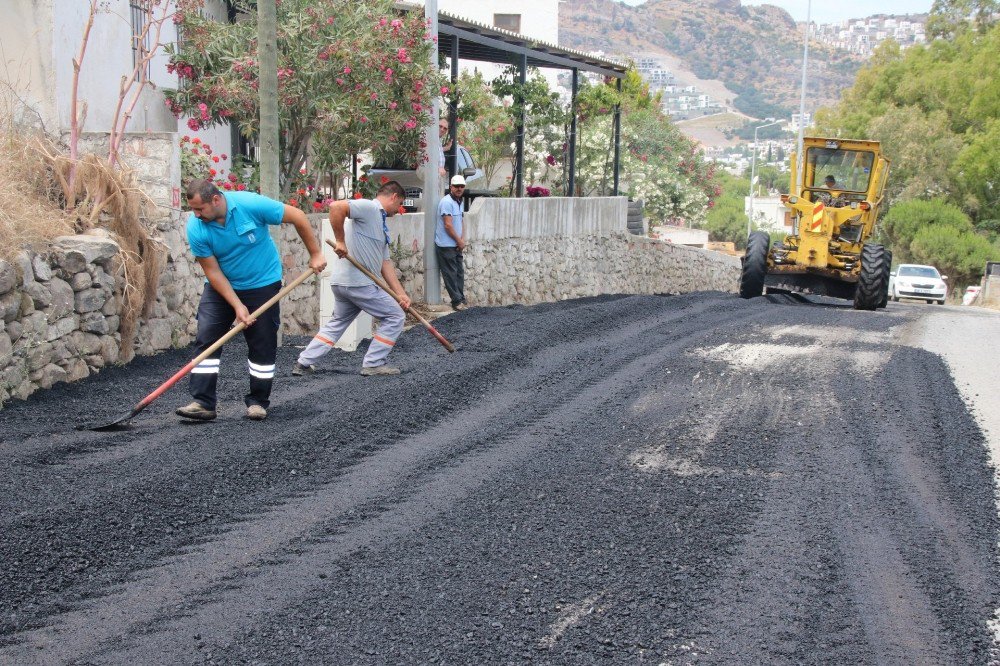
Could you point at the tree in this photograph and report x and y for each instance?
(659, 164)
(353, 77)
(545, 125)
(485, 127)
(950, 17)
(938, 233)
(727, 219)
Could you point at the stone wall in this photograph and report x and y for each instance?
(300, 308)
(60, 306)
(156, 162)
(60, 314)
(546, 249)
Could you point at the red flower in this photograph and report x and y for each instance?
(357, 195)
(317, 207)
(216, 159)
(293, 202)
(241, 187)
(212, 172)
(196, 140)
(383, 180)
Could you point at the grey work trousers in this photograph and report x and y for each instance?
(348, 304)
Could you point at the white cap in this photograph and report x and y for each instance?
(458, 179)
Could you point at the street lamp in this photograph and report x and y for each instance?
(753, 170)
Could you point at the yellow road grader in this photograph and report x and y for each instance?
(833, 217)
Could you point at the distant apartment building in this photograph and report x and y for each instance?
(797, 121)
(862, 36)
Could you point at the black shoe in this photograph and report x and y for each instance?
(196, 411)
(298, 369)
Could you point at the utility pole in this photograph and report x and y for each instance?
(432, 186)
(267, 131)
(800, 159)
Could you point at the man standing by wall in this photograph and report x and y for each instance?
(228, 236)
(366, 239)
(449, 242)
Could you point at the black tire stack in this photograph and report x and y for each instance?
(634, 220)
(754, 265)
(874, 278)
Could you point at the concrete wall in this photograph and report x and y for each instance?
(26, 51)
(989, 296)
(40, 39)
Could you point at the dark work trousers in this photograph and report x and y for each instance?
(453, 271)
(215, 318)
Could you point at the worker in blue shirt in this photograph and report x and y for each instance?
(449, 242)
(228, 235)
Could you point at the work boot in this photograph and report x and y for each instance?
(458, 307)
(379, 370)
(298, 369)
(195, 411)
(256, 413)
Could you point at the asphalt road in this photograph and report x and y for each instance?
(691, 479)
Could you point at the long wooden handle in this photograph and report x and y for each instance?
(223, 340)
(381, 283)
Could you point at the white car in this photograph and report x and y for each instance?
(917, 281)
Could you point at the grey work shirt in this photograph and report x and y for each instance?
(366, 242)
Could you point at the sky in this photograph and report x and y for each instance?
(833, 11)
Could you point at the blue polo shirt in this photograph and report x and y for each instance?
(448, 206)
(243, 247)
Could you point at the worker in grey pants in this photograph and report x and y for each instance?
(365, 236)
(348, 304)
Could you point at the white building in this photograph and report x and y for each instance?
(769, 214)
(797, 121)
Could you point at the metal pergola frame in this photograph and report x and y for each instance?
(464, 39)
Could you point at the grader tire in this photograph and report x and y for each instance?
(873, 279)
(754, 265)
(888, 267)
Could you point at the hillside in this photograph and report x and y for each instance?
(755, 51)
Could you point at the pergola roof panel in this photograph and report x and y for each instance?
(485, 43)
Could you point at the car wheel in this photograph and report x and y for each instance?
(930, 302)
(940, 302)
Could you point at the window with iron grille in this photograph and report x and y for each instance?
(140, 37)
(510, 22)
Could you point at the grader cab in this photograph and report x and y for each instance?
(833, 217)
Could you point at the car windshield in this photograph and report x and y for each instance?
(918, 271)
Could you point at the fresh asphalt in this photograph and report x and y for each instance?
(637, 479)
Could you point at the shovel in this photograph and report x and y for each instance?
(145, 402)
(416, 315)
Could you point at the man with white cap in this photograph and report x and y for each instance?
(449, 242)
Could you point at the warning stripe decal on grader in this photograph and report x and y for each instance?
(817, 221)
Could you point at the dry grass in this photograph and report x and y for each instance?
(29, 212)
